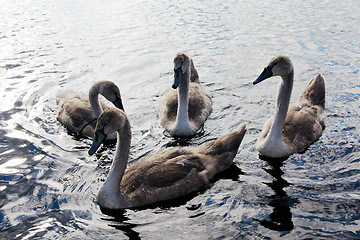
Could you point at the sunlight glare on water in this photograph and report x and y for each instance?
(10, 166)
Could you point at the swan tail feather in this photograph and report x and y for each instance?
(223, 150)
(314, 93)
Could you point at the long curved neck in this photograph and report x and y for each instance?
(94, 100)
(110, 192)
(282, 106)
(183, 99)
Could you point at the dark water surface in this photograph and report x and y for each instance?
(48, 183)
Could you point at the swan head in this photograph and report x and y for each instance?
(181, 65)
(111, 92)
(278, 66)
(110, 121)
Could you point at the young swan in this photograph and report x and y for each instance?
(292, 129)
(77, 111)
(169, 174)
(183, 112)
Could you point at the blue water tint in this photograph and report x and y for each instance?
(11, 178)
(4, 220)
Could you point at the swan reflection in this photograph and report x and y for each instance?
(281, 216)
(120, 222)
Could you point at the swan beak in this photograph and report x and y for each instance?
(99, 137)
(264, 75)
(118, 103)
(177, 77)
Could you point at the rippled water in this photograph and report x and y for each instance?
(48, 182)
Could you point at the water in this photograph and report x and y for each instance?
(48, 182)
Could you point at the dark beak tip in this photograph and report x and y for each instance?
(99, 137)
(257, 81)
(118, 104)
(264, 75)
(91, 152)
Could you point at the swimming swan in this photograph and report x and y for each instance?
(292, 129)
(184, 111)
(166, 175)
(76, 111)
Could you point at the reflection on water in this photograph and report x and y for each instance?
(280, 218)
(119, 221)
(48, 183)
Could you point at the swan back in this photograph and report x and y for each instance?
(305, 120)
(172, 173)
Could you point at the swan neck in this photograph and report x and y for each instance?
(118, 166)
(94, 100)
(282, 105)
(183, 96)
